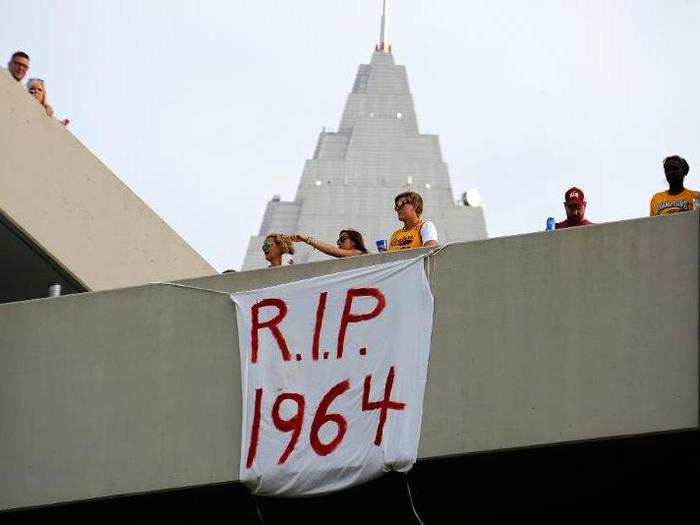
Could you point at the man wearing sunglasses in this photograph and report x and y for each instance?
(416, 233)
(18, 65)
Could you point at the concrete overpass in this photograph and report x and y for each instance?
(66, 218)
(542, 343)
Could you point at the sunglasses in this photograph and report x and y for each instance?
(266, 246)
(400, 205)
(342, 239)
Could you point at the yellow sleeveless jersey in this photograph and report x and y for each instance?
(403, 239)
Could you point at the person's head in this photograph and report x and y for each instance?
(37, 89)
(275, 246)
(675, 168)
(575, 205)
(18, 65)
(408, 206)
(351, 240)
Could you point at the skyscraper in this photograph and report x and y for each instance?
(355, 172)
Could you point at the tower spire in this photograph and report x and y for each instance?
(383, 46)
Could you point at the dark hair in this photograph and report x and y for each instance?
(413, 198)
(19, 54)
(355, 237)
(676, 163)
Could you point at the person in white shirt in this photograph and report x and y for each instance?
(416, 232)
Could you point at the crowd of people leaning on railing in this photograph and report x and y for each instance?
(418, 232)
(18, 67)
(415, 233)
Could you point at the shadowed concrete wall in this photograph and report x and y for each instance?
(540, 338)
(72, 207)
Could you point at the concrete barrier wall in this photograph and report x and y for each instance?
(540, 338)
(72, 207)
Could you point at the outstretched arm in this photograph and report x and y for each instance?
(324, 247)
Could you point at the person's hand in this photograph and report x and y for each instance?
(299, 237)
(49, 110)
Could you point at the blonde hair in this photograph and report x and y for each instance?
(283, 241)
(43, 87)
(45, 102)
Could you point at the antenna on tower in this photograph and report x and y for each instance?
(383, 46)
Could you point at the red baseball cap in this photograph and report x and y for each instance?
(575, 196)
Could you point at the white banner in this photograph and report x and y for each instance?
(333, 372)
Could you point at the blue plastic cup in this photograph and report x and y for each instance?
(381, 245)
(551, 224)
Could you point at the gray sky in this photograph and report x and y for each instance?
(205, 109)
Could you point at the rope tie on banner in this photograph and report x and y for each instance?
(189, 287)
(257, 509)
(408, 490)
(410, 498)
(430, 266)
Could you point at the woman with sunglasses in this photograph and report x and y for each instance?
(275, 246)
(349, 243)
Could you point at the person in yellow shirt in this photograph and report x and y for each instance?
(416, 233)
(677, 198)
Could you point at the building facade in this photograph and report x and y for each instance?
(355, 172)
(66, 219)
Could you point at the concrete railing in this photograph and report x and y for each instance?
(542, 338)
(68, 203)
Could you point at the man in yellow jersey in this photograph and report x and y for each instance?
(416, 233)
(677, 198)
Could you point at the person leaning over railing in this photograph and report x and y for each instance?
(349, 243)
(416, 232)
(677, 197)
(575, 207)
(18, 65)
(37, 88)
(275, 246)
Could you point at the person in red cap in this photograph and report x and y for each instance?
(575, 206)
